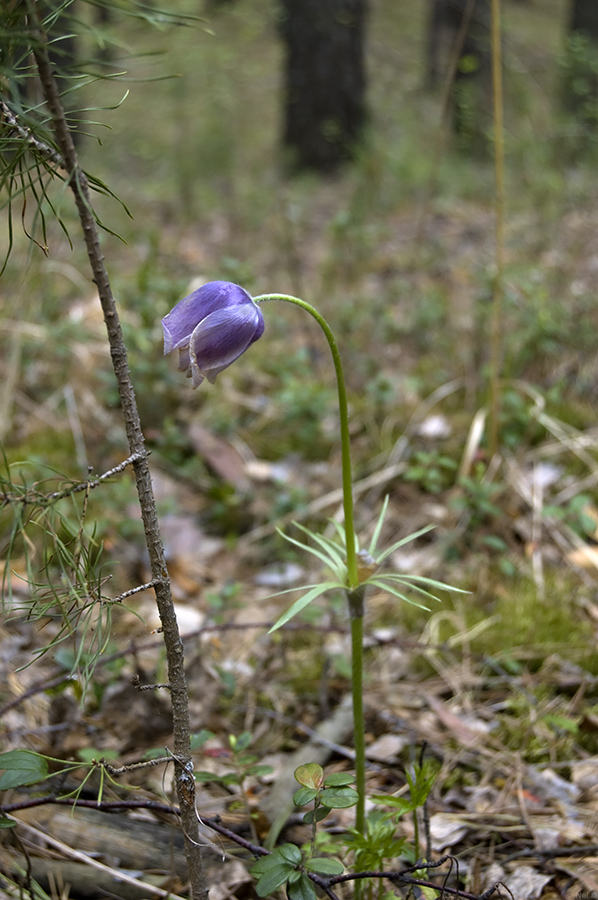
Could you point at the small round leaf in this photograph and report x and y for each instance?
(338, 779)
(339, 798)
(310, 775)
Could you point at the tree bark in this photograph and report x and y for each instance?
(458, 52)
(581, 67)
(325, 81)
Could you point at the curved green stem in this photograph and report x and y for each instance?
(355, 591)
(353, 579)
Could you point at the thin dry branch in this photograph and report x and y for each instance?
(185, 784)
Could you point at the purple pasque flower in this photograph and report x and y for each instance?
(211, 328)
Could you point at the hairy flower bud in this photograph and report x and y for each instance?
(211, 328)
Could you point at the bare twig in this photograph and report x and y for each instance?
(24, 134)
(41, 499)
(132, 767)
(77, 180)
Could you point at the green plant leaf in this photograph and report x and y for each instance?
(290, 853)
(22, 767)
(402, 804)
(260, 770)
(199, 738)
(337, 779)
(339, 798)
(316, 815)
(5, 822)
(323, 865)
(310, 775)
(264, 863)
(302, 889)
(273, 878)
(304, 795)
(241, 742)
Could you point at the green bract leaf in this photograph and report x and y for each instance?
(339, 798)
(405, 540)
(329, 560)
(310, 775)
(22, 767)
(391, 590)
(303, 602)
(378, 528)
(324, 866)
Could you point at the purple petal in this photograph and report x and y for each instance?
(181, 321)
(184, 360)
(222, 337)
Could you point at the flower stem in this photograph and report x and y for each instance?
(355, 591)
(353, 579)
(355, 599)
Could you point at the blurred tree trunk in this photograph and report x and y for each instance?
(581, 62)
(325, 82)
(458, 51)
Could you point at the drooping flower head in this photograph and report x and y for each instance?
(211, 328)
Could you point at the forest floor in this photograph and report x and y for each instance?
(496, 688)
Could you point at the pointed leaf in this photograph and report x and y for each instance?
(378, 528)
(395, 593)
(411, 587)
(328, 546)
(22, 767)
(329, 562)
(303, 602)
(405, 540)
